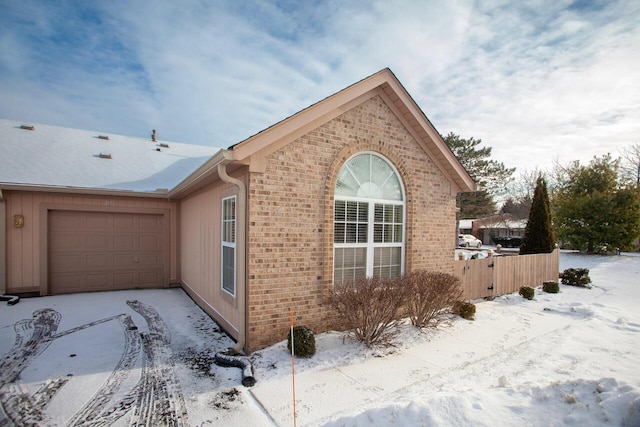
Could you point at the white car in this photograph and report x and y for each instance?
(469, 241)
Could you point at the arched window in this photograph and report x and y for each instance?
(368, 220)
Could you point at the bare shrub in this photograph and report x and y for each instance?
(370, 308)
(428, 293)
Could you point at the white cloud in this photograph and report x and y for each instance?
(534, 81)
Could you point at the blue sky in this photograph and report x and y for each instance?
(538, 80)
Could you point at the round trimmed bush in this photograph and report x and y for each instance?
(527, 292)
(466, 310)
(303, 340)
(551, 287)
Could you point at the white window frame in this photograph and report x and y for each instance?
(371, 245)
(228, 243)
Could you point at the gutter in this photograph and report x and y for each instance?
(241, 276)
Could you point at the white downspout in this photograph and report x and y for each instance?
(241, 265)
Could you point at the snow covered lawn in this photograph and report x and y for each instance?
(113, 358)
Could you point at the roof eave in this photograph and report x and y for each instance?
(207, 169)
(158, 193)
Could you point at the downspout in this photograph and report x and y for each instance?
(3, 245)
(241, 272)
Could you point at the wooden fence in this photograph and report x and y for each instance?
(499, 275)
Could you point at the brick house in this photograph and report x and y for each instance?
(357, 184)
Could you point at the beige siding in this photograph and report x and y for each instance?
(290, 261)
(200, 258)
(27, 246)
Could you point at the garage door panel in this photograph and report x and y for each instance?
(124, 261)
(69, 282)
(123, 242)
(149, 278)
(98, 242)
(101, 251)
(124, 222)
(97, 282)
(147, 261)
(98, 221)
(123, 280)
(61, 242)
(72, 222)
(149, 243)
(99, 262)
(69, 263)
(150, 223)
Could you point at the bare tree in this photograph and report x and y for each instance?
(630, 164)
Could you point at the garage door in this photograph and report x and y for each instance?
(96, 251)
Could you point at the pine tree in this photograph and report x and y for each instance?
(539, 236)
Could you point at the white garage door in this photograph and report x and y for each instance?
(97, 251)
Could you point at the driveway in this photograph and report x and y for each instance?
(114, 358)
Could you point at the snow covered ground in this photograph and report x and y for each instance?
(562, 359)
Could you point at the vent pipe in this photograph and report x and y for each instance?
(153, 136)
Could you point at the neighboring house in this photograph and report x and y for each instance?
(497, 226)
(358, 184)
(465, 226)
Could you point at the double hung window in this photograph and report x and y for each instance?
(229, 245)
(369, 218)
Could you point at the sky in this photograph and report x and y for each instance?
(538, 81)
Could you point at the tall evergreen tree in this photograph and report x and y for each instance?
(491, 175)
(539, 236)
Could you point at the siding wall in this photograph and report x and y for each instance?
(24, 245)
(290, 231)
(200, 258)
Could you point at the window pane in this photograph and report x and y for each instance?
(398, 214)
(229, 220)
(368, 175)
(349, 264)
(228, 269)
(339, 233)
(387, 262)
(340, 209)
(397, 233)
(362, 233)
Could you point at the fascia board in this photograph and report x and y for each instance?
(159, 193)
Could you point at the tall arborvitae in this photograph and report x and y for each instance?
(539, 236)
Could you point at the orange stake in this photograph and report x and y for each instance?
(293, 370)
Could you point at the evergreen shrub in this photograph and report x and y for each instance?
(551, 287)
(527, 292)
(303, 340)
(576, 277)
(466, 310)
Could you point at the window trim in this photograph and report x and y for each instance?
(228, 244)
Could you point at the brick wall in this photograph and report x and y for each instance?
(291, 217)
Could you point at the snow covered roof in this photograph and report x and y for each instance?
(465, 224)
(57, 157)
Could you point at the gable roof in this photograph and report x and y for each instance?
(384, 84)
(62, 159)
(52, 158)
